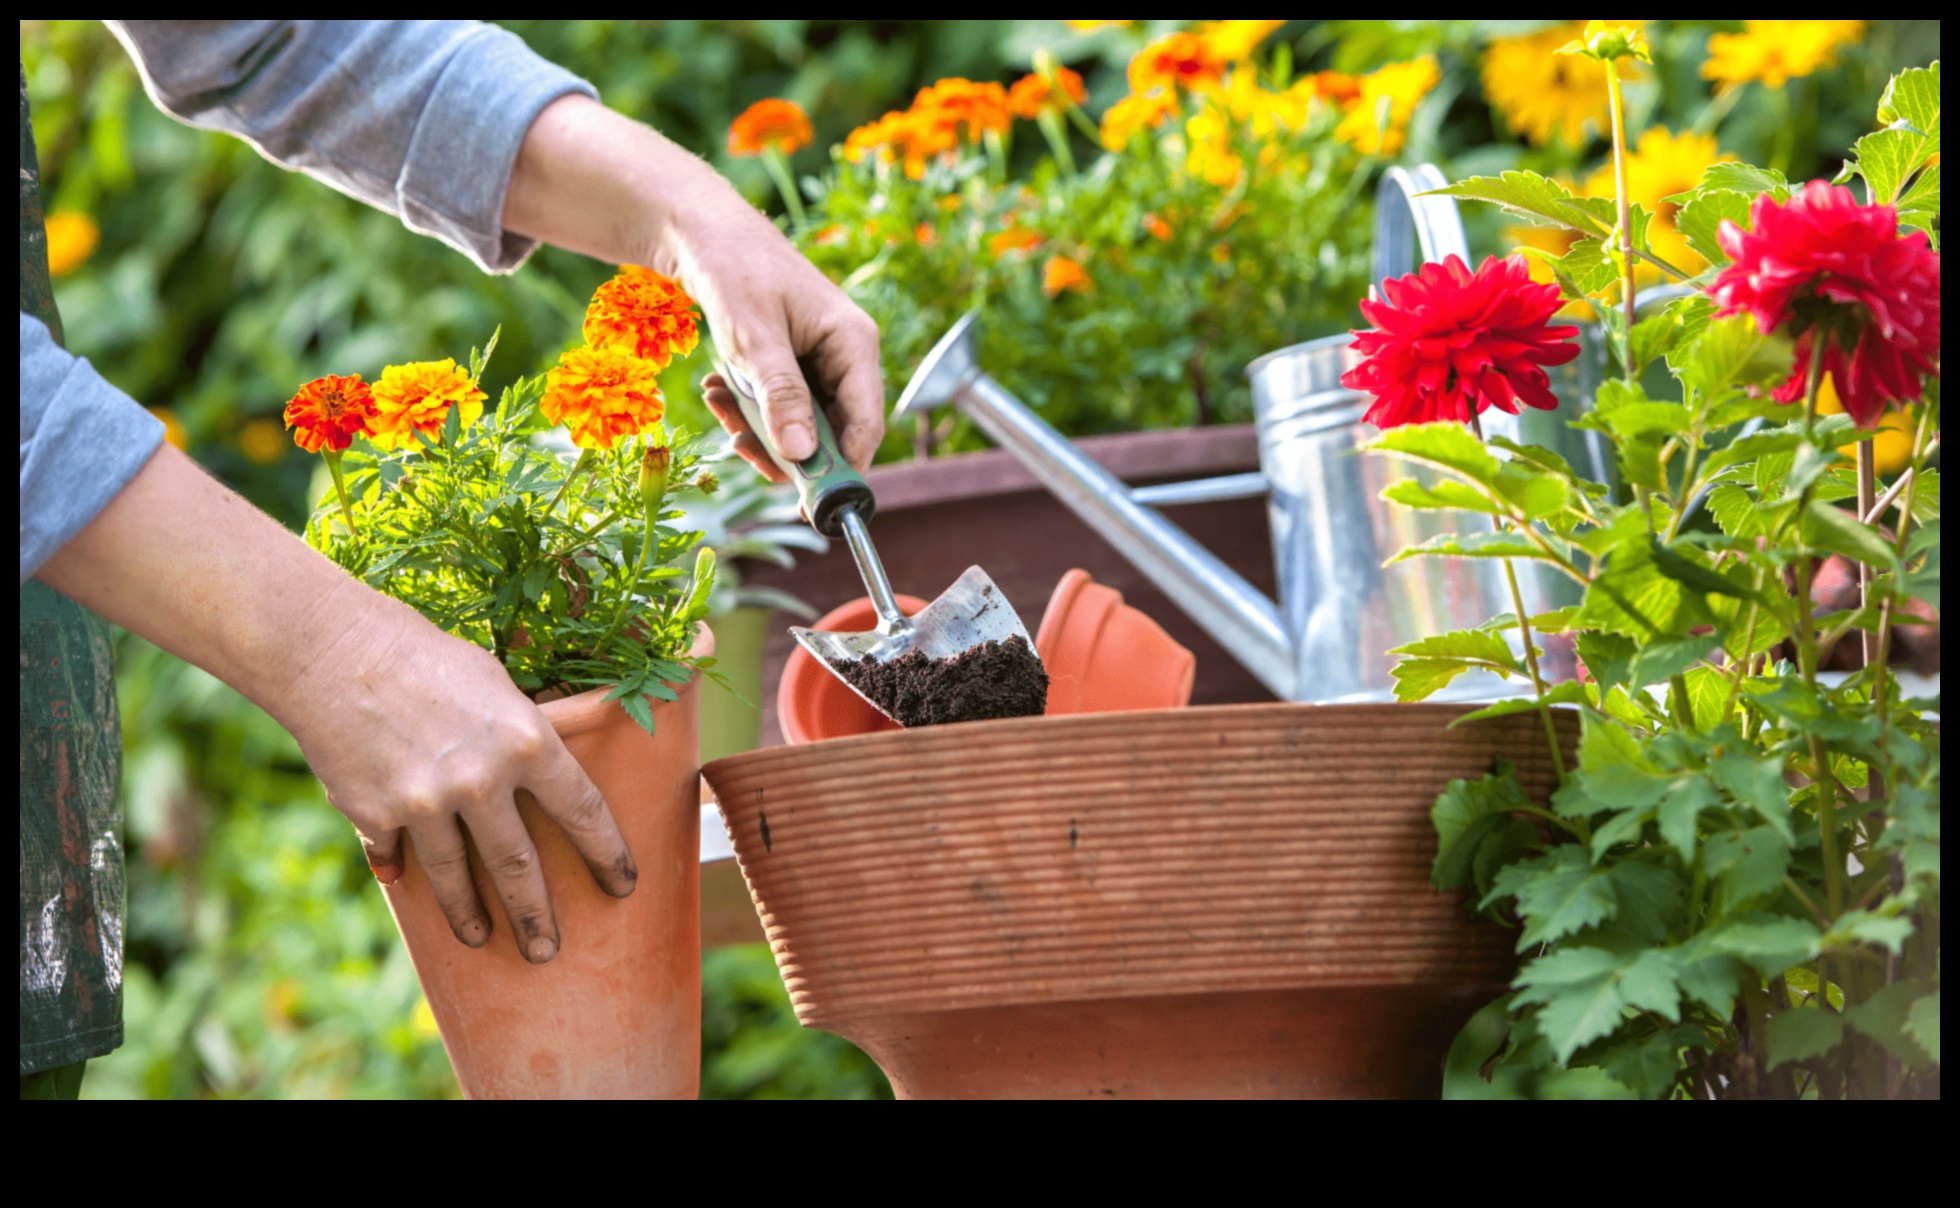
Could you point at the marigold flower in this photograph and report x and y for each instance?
(1139, 111)
(1264, 111)
(1545, 95)
(771, 122)
(1083, 27)
(925, 235)
(1776, 52)
(1061, 274)
(412, 402)
(1234, 40)
(1659, 166)
(1449, 344)
(72, 239)
(1336, 86)
(644, 313)
(1823, 267)
(911, 137)
(329, 412)
(1211, 157)
(1378, 122)
(1157, 227)
(955, 102)
(1034, 93)
(602, 395)
(1013, 239)
(1177, 61)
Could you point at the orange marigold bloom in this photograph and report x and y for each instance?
(642, 313)
(1034, 93)
(956, 102)
(412, 402)
(1141, 111)
(915, 138)
(603, 394)
(1013, 239)
(1062, 273)
(1158, 228)
(771, 122)
(1177, 61)
(925, 235)
(329, 412)
(1336, 86)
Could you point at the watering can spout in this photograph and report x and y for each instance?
(1237, 615)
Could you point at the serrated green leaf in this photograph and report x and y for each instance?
(1746, 866)
(1420, 679)
(1587, 266)
(1913, 96)
(1680, 810)
(1803, 1033)
(1446, 495)
(1708, 696)
(637, 708)
(1769, 943)
(1534, 494)
(1649, 984)
(1664, 658)
(1683, 569)
(1467, 813)
(1923, 1024)
(1729, 354)
(1632, 597)
(1700, 221)
(1711, 981)
(1535, 197)
(1758, 784)
(1473, 545)
(1738, 178)
(1834, 529)
(1883, 1017)
(1584, 991)
(1565, 896)
(1449, 445)
(1880, 930)
(1648, 895)
(1568, 693)
(1921, 202)
(1886, 159)
(1606, 657)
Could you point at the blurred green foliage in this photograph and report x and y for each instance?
(261, 962)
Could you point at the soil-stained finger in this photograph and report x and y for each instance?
(440, 848)
(511, 859)
(567, 794)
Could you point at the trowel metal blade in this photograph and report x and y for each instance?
(972, 611)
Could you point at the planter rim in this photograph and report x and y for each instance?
(590, 709)
(1151, 453)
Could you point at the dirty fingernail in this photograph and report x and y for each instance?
(473, 933)
(798, 443)
(541, 949)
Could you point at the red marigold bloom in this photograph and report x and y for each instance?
(1450, 344)
(329, 412)
(1829, 269)
(1177, 61)
(643, 313)
(771, 122)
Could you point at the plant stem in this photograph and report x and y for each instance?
(1531, 664)
(340, 487)
(1050, 124)
(585, 459)
(1748, 649)
(778, 165)
(1824, 778)
(1618, 105)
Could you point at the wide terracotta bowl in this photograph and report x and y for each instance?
(1230, 901)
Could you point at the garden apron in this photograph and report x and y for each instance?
(71, 859)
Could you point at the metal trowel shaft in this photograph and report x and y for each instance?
(871, 570)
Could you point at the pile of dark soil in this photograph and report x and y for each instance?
(993, 679)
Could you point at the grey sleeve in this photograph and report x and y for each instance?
(419, 118)
(81, 441)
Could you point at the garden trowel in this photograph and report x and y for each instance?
(838, 502)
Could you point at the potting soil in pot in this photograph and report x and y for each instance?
(993, 679)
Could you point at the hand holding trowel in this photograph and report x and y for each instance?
(965, 657)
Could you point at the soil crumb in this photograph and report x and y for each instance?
(993, 679)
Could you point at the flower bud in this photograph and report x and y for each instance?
(654, 465)
(707, 483)
(704, 582)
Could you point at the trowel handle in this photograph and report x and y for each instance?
(825, 483)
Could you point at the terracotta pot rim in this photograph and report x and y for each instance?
(590, 709)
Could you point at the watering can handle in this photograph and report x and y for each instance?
(825, 483)
(1411, 229)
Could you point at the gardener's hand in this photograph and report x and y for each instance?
(410, 730)
(591, 180)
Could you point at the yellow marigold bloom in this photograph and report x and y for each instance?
(72, 238)
(1234, 40)
(1776, 52)
(1033, 93)
(1378, 123)
(771, 122)
(173, 428)
(1263, 110)
(1177, 61)
(1140, 111)
(263, 441)
(1543, 94)
(1660, 165)
(1013, 239)
(412, 402)
(1061, 274)
(1211, 157)
(644, 313)
(1083, 27)
(602, 395)
(1891, 446)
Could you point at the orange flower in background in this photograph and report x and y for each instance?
(173, 428)
(72, 239)
(1013, 239)
(925, 235)
(771, 122)
(1336, 86)
(1157, 227)
(1034, 94)
(956, 102)
(1061, 274)
(602, 395)
(643, 313)
(1378, 124)
(914, 139)
(412, 402)
(1140, 111)
(262, 441)
(1177, 61)
(1234, 40)
(329, 412)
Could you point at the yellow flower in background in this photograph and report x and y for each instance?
(1775, 52)
(1891, 446)
(1660, 165)
(422, 1021)
(173, 428)
(72, 239)
(413, 401)
(1234, 40)
(1211, 157)
(1378, 124)
(1140, 111)
(1544, 95)
(1261, 109)
(1061, 274)
(1556, 241)
(1085, 27)
(263, 441)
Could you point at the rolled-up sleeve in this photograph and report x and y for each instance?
(81, 441)
(419, 118)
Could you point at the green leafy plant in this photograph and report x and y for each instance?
(1735, 892)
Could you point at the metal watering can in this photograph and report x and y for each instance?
(1340, 610)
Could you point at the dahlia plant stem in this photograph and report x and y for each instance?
(340, 487)
(1867, 500)
(1618, 104)
(777, 164)
(1880, 659)
(1823, 777)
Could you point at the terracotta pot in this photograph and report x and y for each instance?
(811, 702)
(1103, 656)
(1229, 901)
(617, 1013)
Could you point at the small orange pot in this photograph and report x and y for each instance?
(1102, 656)
(617, 1013)
(811, 702)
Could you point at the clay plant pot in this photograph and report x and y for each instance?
(1228, 901)
(1103, 656)
(617, 1013)
(811, 702)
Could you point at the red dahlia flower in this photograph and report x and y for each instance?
(1451, 344)
(1825, 267)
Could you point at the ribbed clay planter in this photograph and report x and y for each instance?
(617, 1013)
(1230, 901)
